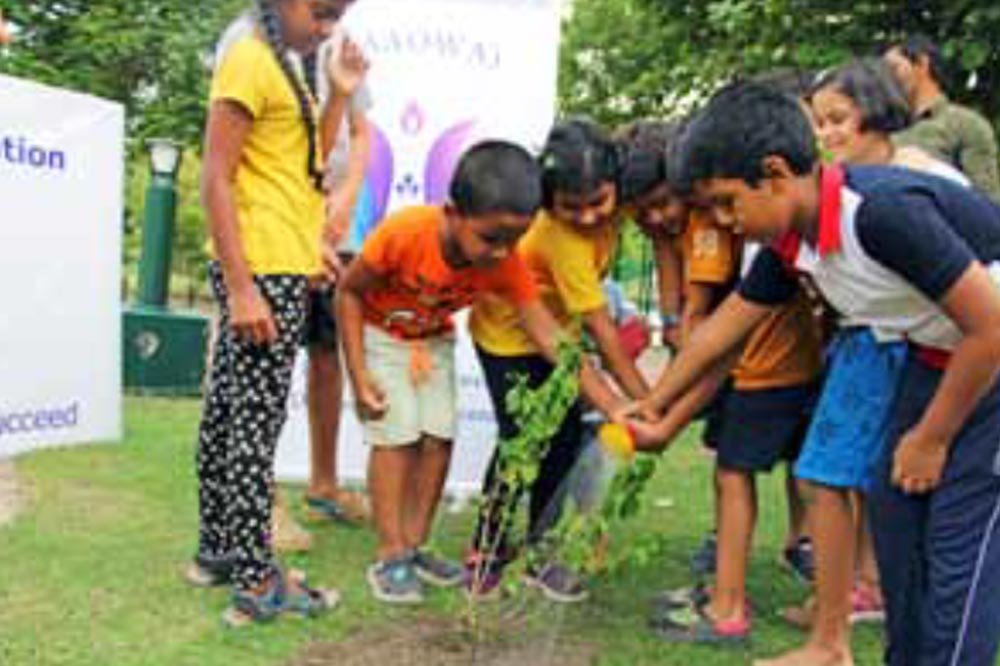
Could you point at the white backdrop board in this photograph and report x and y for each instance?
(61, 158)
(444, 74)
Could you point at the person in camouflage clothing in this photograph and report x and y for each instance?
(950, 132)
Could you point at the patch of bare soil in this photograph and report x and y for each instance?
(10, 493)
(442, 642)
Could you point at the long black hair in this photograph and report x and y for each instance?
(578, 157)
(270, 23)
(644, 147)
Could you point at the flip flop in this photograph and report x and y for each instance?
(325, 508)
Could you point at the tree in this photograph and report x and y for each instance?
(628, 58)
(150, 55)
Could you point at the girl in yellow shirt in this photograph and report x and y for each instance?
(264, 146)
(568, 251)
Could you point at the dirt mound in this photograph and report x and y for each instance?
(438, 642)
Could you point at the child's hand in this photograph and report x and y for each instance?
(645, 435)
(348, 71)
(637, 409)
(919, 462)
(333, 267)
(251, 318)
(647, 412)
(370, 399)
(621, 413)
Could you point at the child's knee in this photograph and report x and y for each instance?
(730, 479)
(732, 474)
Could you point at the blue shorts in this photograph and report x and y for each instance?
(850, 423)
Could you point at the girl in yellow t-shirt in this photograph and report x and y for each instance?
(265, 143)
(568, 250)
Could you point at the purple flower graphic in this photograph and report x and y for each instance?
(443, 159)
(380, 171)
(412, 120)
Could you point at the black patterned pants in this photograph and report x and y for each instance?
(244, 411)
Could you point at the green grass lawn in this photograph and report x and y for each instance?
(89, 573)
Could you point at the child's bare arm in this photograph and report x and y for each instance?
(974, 305)
(229, 124)
(358, 154)
(345, 72)
(544, 331)
(697, 306)
(669, 282)
(718, 336)
(659, 435)
(369, 396)
(331, 116)
(604, 332)
(342, 199)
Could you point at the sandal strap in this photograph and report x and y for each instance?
(331, 508)
(265, 605)
(307, 601)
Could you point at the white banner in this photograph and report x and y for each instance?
(445, 73)
(61, 157)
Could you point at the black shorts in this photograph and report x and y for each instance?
(758, 429)
(321, 324)
(712, 415)
(321, 315)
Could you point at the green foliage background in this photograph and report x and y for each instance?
(623, 59)
(153, 57)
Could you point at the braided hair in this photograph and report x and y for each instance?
(310, 63)
(270, 24)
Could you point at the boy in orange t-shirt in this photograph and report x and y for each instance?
(395, 305)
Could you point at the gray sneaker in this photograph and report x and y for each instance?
(437, 571)
(558, 583)
(395, 581)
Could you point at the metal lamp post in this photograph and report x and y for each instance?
(158, 222)
(164, 350)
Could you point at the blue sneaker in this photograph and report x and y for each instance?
(703, 559)
(395, 581)
(437, 571)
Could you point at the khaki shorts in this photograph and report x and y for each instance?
(428, 408)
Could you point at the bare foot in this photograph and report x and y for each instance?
(801, 616)
(287, 535)
(810, 655)
(355, 505)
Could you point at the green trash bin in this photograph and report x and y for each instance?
(164, 350)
